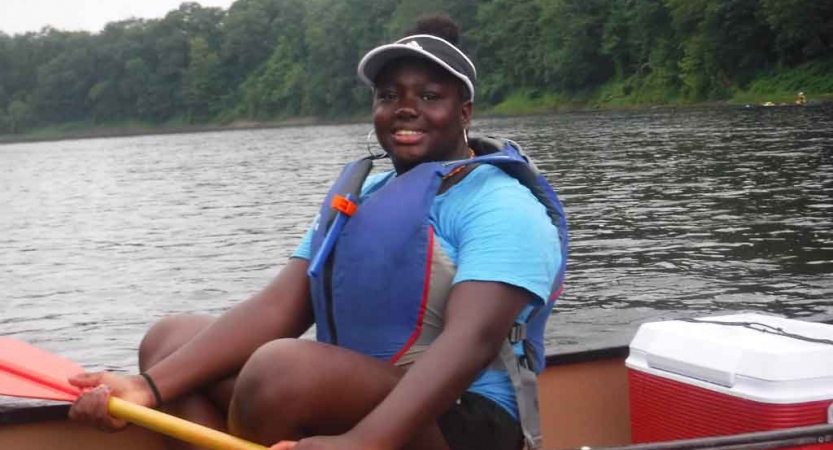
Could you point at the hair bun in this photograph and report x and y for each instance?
(440, 25)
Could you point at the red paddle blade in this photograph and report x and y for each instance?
(27, 371)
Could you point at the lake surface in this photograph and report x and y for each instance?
(673, 213)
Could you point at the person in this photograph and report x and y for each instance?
(801, 100)
(429, 286)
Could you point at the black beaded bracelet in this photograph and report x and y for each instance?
(153, 388)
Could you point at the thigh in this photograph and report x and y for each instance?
(475, 422)
(292, 388)
(321, 388)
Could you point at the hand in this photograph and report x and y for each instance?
(91, 405)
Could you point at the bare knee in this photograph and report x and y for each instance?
(274, 375)
(270, 376)
(167, 335)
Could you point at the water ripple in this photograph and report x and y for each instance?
(672, 214)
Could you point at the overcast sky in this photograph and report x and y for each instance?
(20, 16)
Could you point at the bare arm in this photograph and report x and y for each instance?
(281, 309)
(477, 320)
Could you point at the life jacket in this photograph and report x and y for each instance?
(377, 272)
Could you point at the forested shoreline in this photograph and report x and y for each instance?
(262, 61)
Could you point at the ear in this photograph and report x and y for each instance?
(465, 113)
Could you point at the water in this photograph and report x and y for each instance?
(672, 214)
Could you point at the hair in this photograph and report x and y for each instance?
(440, 25)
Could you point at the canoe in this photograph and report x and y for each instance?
(583, 398)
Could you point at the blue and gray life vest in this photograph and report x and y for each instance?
(379, 280)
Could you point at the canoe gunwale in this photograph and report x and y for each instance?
(583, 356)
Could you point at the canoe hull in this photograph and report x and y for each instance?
(585, 404)
(57, 434)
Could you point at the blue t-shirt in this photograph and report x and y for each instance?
(493, 229)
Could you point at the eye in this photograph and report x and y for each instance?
(429, 96)
(386, 95)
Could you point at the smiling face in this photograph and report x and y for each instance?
(419, 113)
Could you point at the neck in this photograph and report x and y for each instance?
(462, 152)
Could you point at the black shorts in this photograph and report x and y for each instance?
(477, 423)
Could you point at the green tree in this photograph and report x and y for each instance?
(276, 87)
(104, 102)
(202, 83)
(652, 37)
(64, 82)
(5, 83)
(196, 21)
(507, 47)
(572, 32)
(162, 96)
(723, 42)
(248, 37)
(617, 39)
(744, 44)
(19, 116)
(698, 66)
(116, 45)
(335, 44)
(803, 28)
(133, 87)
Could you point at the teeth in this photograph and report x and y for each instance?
(407, 132)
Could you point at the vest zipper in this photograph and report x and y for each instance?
(328, 296)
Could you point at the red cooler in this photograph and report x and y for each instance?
(732, 374)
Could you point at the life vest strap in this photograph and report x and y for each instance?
(517, 333)
(524, 382)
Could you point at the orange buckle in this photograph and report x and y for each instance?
(344, 205)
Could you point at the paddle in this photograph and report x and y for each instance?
(30, 372)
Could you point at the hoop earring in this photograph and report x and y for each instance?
(466, 136)
(369, 150)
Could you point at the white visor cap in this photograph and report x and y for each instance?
(426, 46)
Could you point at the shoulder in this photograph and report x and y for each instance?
(502, 232)
(489, 202)
(489, 188)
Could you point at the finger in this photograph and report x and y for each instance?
(101, 416)
(85, 380)
(284, 445)
(104, 421)
(83, 409)
(90, 403)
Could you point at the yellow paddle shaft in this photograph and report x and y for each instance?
(177, 428)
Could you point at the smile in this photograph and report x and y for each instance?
(407, 136)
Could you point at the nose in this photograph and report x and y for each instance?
(405, 112)
(406, 108)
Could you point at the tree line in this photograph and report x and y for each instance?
(266, 59)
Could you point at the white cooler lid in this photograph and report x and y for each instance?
(740, 360)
